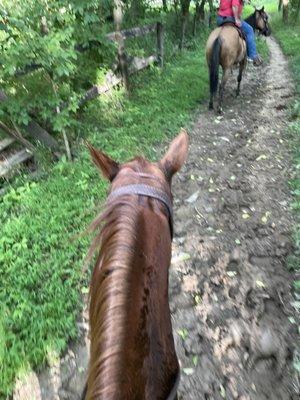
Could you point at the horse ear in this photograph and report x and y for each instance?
(263, 9)
(176, 155)
(107, 166)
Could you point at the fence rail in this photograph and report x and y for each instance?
(132, 32)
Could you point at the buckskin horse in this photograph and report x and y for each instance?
(227, 47)
(132, 353)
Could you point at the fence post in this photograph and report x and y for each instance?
(160, 43)
(123, 60)
(118, 17)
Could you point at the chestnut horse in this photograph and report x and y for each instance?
(226, 47)
(132, 352)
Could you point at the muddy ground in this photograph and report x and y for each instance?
(230, 290)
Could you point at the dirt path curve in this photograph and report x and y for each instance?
(230, 291)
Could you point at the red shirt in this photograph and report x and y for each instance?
(225, 9)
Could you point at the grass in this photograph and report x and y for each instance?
(289, 39)
(40, 261)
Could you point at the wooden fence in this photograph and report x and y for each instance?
(129, 66)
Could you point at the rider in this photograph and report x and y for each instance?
(231, 11)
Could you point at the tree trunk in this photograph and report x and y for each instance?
(297, 11)
(285, 10)
(136, 9)
(196, 16)
(199, 14)
(279, 5)
(118, 17)
(201, 10)
(165, 8)
(211, 13)
(185, 6)
(176, 2)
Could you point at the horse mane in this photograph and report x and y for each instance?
(251, 20)
(109, 291)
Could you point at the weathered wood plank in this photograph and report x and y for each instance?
(36, 131)
(8, 164)
(15, 134)
(6, 142)
(112, 80)
(138, 63)
(133, 32)
(41, 135)
(96, 90)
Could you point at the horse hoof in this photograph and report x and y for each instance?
(237, 94)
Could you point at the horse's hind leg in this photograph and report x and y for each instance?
(211, 102)
(240, 75)
(225, 77)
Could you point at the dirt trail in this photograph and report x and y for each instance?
(230, 291)
(231, 297)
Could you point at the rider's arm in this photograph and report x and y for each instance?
(236, 13)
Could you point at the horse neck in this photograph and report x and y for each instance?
(129, 311)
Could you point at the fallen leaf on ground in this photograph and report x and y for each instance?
(231, 274)
(183, 333)
(188, 371)
(190, 283)
(180, 257)
(262, 157)
(193, 197)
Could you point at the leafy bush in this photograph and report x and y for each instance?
(43, 38)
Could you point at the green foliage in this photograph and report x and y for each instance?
(47, 34)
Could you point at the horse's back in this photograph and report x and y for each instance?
(233, 47)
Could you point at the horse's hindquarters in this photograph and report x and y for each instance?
(224, 47)
(233, 49)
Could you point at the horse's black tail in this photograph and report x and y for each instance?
(83, 395)
(214, 66)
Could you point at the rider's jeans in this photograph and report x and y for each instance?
(248, 30)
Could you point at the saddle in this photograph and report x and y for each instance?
(240, 32)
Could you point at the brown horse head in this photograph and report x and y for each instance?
(163, 170)
(132, 353)
(261, 22)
